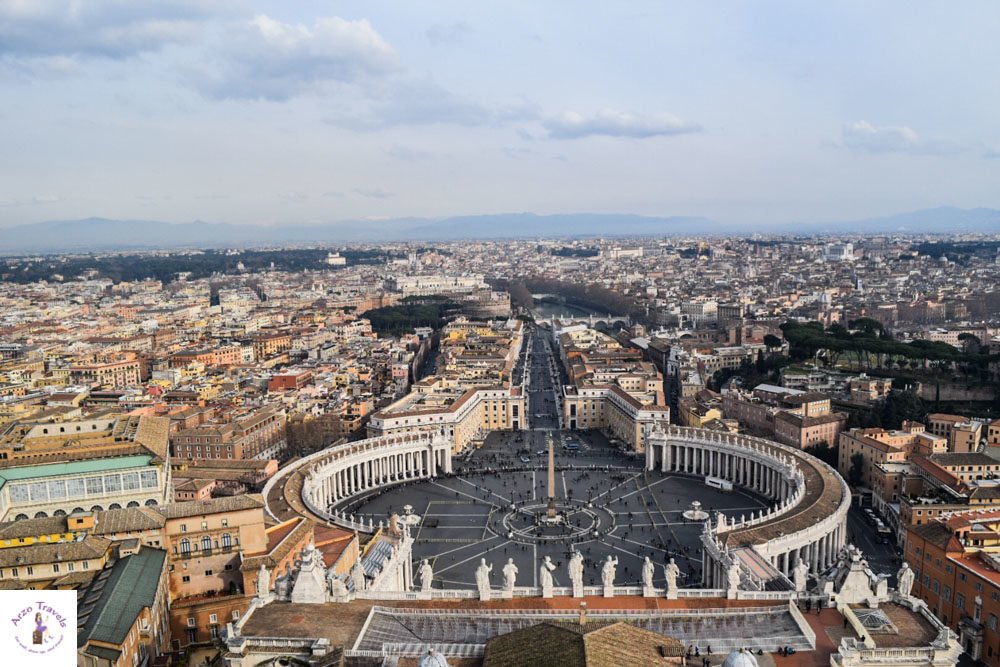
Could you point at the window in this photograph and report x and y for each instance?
(206, 543)
(184, 528)
(993, 621)
(31, 570)
(225, 523)
(208, 573)
(204, 525)
(960, 601)
(947, 593)
(213, 618)
(190, 621)
(86, 565)
(55, 567)
(236, 614)
(961, 576)
(186, 579)
(185, 546)
(227, 541)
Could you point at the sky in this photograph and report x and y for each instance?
(315, 112)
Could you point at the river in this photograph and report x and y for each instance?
(548, 309)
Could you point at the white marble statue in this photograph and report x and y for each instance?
(733, 577)
(483, 579)
(575, 567)
(800, 574)
(509, 575)
(671, 572)
(545, 576)
(426, 573)
(647, 573)
(904, 580)
(281, 585)
(263, 581)
(608, 571)
(358, 577)
(336, 587)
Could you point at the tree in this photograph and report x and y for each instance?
(970, 342)
(824, 452)
(772, 342)
(856, 469)
(900, 406)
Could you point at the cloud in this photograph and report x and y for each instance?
(373, 193)
(611, 123)
(424, 102)
(862, 135)
(38, 200)
(272, 60)
(407, 153)
(992, 153)
(450, 33)
(866, 137)
(114, 29)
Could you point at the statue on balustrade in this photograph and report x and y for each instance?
(733, 576)
(647, 573)
(509, 575)
(608, 571)
(483, 579)
(575, 567)
(671, 571)
(904, 580)
(545, 576)
(426, 573)
(800, 574)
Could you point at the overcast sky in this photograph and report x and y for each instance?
(279, 112)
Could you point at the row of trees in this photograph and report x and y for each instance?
(128, 268)
(405, 317)
(868, 345)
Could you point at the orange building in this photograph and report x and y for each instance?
(956, 561)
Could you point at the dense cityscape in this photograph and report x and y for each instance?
(499, 334)
(360, 436)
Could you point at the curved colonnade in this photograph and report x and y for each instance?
(342, 472)
(808, 521)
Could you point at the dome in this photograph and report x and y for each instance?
(435, 659)
(741, 658)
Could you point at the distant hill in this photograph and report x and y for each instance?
(95, 234)
(941, 220)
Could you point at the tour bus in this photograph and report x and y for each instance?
(717, 483)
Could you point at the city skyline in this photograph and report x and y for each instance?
(263, 113)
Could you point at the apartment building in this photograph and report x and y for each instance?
(258, 434)
(956, 562)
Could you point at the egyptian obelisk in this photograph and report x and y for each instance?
(551, 512)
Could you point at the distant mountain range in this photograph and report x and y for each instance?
(95, 234)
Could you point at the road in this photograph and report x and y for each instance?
(883, 558)
(543, 384)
